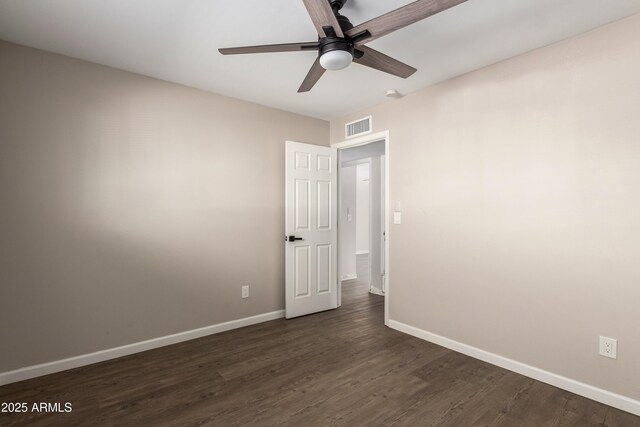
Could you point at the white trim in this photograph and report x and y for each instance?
(375, 291)
(349, 277)
(125, 350)
(603, 396)
(362, 252)
(363, 140)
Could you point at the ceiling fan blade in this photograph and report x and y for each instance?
(322, 16)
(379, 61)
(399, 18)
(313, 76)
(286, 47)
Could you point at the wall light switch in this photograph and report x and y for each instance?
(397, 217)
(245, 291)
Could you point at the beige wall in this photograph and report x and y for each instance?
(132, 208)
(520, 190)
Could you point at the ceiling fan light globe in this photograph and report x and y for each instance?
(336, 60)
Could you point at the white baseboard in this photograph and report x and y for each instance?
(362, 252)
(113, 353)
(348, 277)
(608, 398)
(375, 291)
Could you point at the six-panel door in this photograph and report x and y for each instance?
(311, 215)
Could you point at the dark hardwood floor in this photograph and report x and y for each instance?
(341, 367)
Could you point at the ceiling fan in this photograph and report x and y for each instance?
(340, 43)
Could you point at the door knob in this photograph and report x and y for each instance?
(292, 238)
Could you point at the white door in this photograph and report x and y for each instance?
(311, 221)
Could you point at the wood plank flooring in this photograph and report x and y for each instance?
(337, 368)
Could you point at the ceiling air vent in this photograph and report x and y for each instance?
(357, 128)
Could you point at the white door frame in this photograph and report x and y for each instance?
(364, 140)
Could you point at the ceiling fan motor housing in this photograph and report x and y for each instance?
(344, 22)
(332, 42)
(327, 44)
(335, 53)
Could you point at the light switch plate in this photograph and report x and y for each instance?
(397, 217)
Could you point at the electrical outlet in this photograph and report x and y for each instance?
(609, 347)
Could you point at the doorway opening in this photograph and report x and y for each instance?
(363, 216)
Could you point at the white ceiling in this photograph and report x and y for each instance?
(177, 40)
